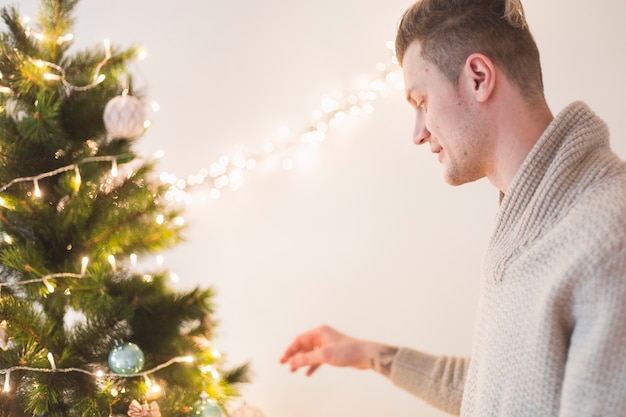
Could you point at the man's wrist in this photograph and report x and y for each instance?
(382, 359)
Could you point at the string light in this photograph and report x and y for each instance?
(334, 110)
(35, 179)
(43, 279)
(99, 374)
(60, 74)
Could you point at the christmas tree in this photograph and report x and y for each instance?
(83, 331)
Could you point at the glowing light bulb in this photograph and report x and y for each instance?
(37, 190)
(107, 48)
(49, 286)
(160, 219)
(114, 171)
(7, 383)
(51, 360)
(143, 54)
(66, 38)
(77, 179)
(112, 262)
(84, 263)
(133, 260)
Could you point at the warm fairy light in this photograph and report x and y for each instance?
(174, 278)
(160, 219)
(7, 239)
(216, 353)
(51, 360)
(208, 369)
(185, 359)
(107, 48)
(37, 190)
(291, 147)
(114, 392)
(148, 278)
(7, 383)
(159, 260)
(65, 38)
(77, 178)
(84, 263)
(114, 171)
(99, 373)
(49, 286)
(51, 77)
(133, 260)
(112, 262)
(143, 54)
(155, 389)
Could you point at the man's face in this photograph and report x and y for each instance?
(446, 117)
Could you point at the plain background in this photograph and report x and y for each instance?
(366, 235)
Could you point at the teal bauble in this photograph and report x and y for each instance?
(126, 358)
(206, 407)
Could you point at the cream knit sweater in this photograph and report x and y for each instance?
(550, 335)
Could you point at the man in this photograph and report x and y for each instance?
(550, 335)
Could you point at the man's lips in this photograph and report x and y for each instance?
(438, 150)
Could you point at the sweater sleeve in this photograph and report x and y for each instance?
(438, 380)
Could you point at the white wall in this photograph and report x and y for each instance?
(368, 238)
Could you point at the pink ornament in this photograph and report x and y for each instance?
(124, 117)
(138, 410)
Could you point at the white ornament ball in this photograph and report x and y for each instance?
(124, 117)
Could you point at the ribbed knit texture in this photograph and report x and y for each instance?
(550, 333)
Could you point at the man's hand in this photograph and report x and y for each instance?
(326, 345)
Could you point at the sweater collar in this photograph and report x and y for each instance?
(547, 182)
(573, 133)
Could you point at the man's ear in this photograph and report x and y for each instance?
(480, 76)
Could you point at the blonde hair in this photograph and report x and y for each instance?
(451, 30)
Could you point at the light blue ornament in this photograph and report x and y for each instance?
(126, 358)
(206, 407)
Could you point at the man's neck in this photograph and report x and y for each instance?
(519, 127)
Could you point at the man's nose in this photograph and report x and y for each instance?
(421, 135)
